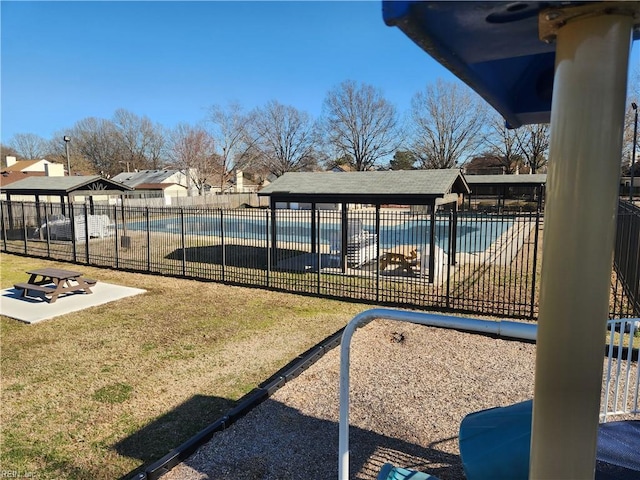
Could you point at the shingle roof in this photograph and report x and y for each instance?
(7, 178)
(157, 186)
(523, 179)
(22, 164)
(57, 185)
(134, 179)
(432, 183)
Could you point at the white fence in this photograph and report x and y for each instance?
(224, 200)
(621, 387)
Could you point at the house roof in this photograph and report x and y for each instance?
(134, 179)
(157, 186)
(523, 179)
(14, 176)
(22, 164)
(62, 185)
(418, 186)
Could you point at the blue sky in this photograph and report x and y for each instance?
(65, 61)
(62, 62)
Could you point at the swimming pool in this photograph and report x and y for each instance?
(474, 234)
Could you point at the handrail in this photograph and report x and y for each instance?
(630, 399)
(501, 328)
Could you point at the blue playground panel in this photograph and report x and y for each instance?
(494, 445)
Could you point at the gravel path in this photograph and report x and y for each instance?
(411, 387)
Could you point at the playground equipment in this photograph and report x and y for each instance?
(567, 63)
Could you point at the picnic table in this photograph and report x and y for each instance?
(64, 281)
(406, 256)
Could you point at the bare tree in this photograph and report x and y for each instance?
(447, 124)
(29, 146)
(633, 96)
(96, 140)
(192, 149)
(503, 144)
(285, 136)
(56, 151)
(533, 141)
(141, 141)
(360, 122)
(228, 128)
(6, 150)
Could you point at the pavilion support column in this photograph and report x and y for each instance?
(10, 212)
(314, 235)
(432, 243)
(39, 215)
(582, 194)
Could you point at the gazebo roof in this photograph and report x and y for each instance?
(514, 180)
(63, 185)
(415, 186)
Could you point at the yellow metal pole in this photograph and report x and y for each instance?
(582, 192)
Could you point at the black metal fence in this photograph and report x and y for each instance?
(480, 262)
(626, 260)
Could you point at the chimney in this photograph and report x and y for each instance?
(239, 181)
(11, 160)
(54, 170)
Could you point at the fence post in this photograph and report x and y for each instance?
(378, 239)
(316, 222)
(148, 225)
(24, 228)
(86, 231)
(223, 252)
(344, 229)
(184, 246)
(117, 235)
(268, 247)
(536, 242)
(452, 254)
(73, 232)
(4, 226)
(274, 234)
(432, 244)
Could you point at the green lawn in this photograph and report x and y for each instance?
(99, 393)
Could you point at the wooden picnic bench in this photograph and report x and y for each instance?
(53, 282)
(406, 257)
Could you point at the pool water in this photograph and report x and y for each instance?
(473, 234)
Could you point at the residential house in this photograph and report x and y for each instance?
(165, 183)
(28, 167)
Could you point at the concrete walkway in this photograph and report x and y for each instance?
(36, 309)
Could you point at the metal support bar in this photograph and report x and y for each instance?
(515, 330)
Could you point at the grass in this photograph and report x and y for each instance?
(98, 394)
